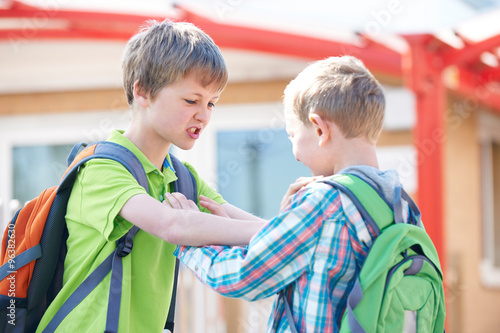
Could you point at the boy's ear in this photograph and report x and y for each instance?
(322, 128)
(140, 95)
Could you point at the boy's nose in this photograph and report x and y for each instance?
(203, 114)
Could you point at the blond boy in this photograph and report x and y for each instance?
(316, 245)
(173, 76)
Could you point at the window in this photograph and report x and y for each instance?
(490, 159)
(36, 168)
(255, 168)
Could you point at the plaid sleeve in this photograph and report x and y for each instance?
(276, 256)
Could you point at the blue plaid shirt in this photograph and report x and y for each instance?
(317, 246)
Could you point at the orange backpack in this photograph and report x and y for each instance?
(34, 247)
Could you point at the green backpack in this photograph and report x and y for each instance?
(400, 286)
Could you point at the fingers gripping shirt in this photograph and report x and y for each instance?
(312, 245)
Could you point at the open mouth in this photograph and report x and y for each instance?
(194, 130)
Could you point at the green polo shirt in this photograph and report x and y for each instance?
(99, 193)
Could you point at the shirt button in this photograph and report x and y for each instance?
(196, 268)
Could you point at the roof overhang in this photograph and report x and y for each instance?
(20, 22)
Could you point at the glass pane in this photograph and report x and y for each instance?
(37, 168)
(496, 200)
(255, 168)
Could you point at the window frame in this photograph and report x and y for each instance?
(489, 133)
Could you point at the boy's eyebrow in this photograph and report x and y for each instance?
(200, 95)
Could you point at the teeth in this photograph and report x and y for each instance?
(192, 130)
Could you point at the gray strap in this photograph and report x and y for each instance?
(115, 295)
(352, 301)
(111, 151)
(113, 262)
(288, 312)
(416, 266)
(398, 206)
(414, 210)
(74, 152)
(124, 247)
(186, 184)
(121, 154)
(375, 225)
(81, 292)
(22, 259)
(169, 325)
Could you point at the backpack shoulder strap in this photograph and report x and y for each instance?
(374, 210)
(185, 184)
(108, 150)
(113, 263)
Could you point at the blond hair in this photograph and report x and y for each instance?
(342, 90)
(162, 53)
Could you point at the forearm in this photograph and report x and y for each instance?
(239, 214)
(193, 228)
(186, 227)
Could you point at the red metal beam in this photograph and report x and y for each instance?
(422, 69)
(53, 22)
(21, 36)
(38, 23)
(471, 52)
(21, 10)
(487, 75)
(374, 56)
(479, 89)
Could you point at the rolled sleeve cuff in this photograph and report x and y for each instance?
(192, 258)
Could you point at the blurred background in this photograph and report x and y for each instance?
(60, 83)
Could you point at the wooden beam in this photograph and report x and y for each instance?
(395, 138)
(62, 101)
(114, 99)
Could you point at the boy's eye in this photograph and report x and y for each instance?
(211, 105)
(190, 101)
